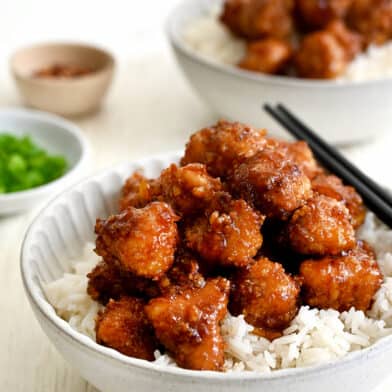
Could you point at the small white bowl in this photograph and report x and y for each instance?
(342, 112)
(55, 135)
(59, 234)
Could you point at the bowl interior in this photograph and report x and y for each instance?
(29, 60)
(54, 136)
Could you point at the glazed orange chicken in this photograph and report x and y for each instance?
(300, 153)
(320, 56)
(187, 324)
(343, 281)
(313, 39)
(373, 19)
(228, 235)
(266, 295)
(349, 40)
(321, 227)
(106, 281)
(272, 182)
(318, 13)
(185, 273)
(269, 55)
(255, 19)
(220, 146)
(188, 189)
(325, 54)
(333, 186)
(138, 191)
(123, 325)
(142, 241)
(191, 245)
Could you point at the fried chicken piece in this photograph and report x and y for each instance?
(123, 326)
(300, 153)
(373, 19)
(318, 13)
(349, 40)
(272, 183)
(222, 144)
(343, 281)
(332, 186)
(255, 19)
(321, 227)
(228, 235)
(320, 56)
(185, 273)
(266, 295)
(187, 324)
(268, 56)
(138, 191)
(104, 283)
(142, 241)
(107, 282)
(188, 189)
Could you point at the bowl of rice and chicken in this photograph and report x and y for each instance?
(324, 59)
(237, 264)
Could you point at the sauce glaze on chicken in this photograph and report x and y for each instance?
(245, 223)
(313, 39)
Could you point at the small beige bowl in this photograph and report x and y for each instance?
(65, 96)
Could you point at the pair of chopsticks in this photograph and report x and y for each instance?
(374, 196)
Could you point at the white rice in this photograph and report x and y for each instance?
(212, 40)
(313, 337)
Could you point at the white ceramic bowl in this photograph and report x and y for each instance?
(55, 135)
(59, 233)
(342, 112)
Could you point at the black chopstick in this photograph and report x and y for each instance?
(379, 203)
(333, 152)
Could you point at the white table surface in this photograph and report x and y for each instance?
(150, 109)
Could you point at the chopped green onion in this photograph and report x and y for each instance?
(25, 165)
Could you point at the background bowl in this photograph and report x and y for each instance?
(65, 96)
(342, 112)
(58, 235)
(55, 135)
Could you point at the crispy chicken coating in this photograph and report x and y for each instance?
(142, 241)
(266, 295)
(349, 40)
(320, 56)
(332, 186)
(343, 281)
(373, 19)
(188, 189)
(318, 13)
(187, 324)
(138, 191)
(300, 153)
(106, 281)
(228, 235)
(271, 182)
(124, 327)
(321, 227)
(222, 144)
(185, 273)
(255, 19)
(268, 56)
